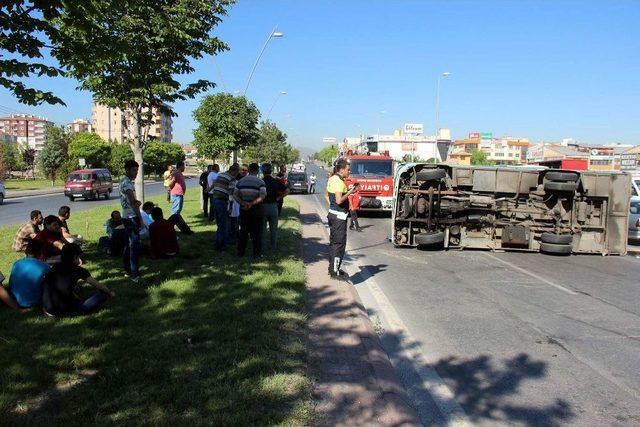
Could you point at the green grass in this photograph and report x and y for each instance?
(30, 184)
(208, 339)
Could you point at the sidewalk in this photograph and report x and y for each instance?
(355, 383)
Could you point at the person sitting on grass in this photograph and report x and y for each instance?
(51, 239)
(27, 232)
(64, 213)
(25, 282)
(145, 214)
(59, 289)
(163, 242)
(113, 242)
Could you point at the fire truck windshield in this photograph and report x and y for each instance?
(371, 167)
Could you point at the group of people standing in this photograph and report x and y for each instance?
(243, 205)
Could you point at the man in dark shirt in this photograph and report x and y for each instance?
(276, 191)
(204, 185)
(59, 290)
(250, 192)
(163, 242)
(282, 176)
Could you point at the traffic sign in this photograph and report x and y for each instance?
(82, 162)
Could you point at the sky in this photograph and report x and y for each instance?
(544, 70)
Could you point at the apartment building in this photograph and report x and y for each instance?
(28, 130)
(111, 124)
(503, 150)
(79, 126)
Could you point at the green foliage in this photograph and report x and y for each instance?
(133, 54)
(59, 135)
(271, 147)
(225, 123)
(432, 160)
(92, 148)
(10, 156)
(479, 157)
(120, 153)
(26, 31)
(159, 155)
(51, 158)
(327, 154)
(407, 159)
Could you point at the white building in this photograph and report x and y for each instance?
(399, 145)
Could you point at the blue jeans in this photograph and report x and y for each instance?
(91, 304)
(131, 253)
(176, 204)
(221, 206)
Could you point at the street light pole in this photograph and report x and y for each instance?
(275, 101)
(445, 74)
(272, 34)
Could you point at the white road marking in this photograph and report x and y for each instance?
(530, 274)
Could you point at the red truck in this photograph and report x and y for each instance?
(374, 172)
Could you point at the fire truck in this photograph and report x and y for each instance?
(374, 173)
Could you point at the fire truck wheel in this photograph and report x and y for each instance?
(561, 176)
(559, 186)
(431, 174)
(551, 248)
(427, 239)
(556, 239)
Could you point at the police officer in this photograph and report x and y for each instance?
(338, 194)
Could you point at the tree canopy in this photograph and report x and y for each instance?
(26, 30)
(54, 152)
(271, 146)
(479, 157)
(132, 55)
(225, 123)
(327, 154)
(160, 154)
(91, 147)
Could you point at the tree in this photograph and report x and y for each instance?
(225, 123)
(26, 31)
(50, 159)
(327, 154)
(120, 153)
(479, 157)
(10, 156)
(29, 159)
(132, 55)
(91, 147)
(271, 146)
(407, 159)
(161, 154)
(54, 153)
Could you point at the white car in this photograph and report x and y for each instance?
(1, 193)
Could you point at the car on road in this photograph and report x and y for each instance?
(634, 221)
(89, 184)
(2, 193)
(298, 182)
(511, 208)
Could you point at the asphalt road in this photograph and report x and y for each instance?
(16, 211)
(511, 338)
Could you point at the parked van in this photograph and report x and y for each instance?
(88, 184)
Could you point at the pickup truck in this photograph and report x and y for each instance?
(511, 208)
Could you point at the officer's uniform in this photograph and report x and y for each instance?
(337, 217)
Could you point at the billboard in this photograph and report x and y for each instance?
(486, 135)
(629, 161)
(329, 140)
(474, 135)
(413, 128)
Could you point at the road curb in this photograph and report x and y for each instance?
(355, 382)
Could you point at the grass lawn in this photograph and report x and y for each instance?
(207, 339)
(30, 184)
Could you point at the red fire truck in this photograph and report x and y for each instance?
(374, 172)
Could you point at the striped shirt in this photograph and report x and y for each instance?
(224, 186)
(250, 188)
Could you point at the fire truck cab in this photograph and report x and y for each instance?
(374, 173)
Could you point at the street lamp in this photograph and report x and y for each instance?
(275, 101)
(445, 74)
(273, 34)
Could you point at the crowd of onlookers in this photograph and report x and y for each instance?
(244, 202)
